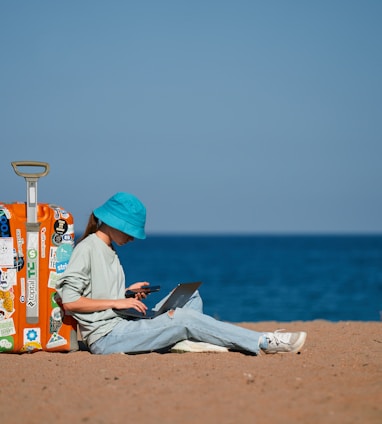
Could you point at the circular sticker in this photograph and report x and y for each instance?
(67, 238)
(57, 314)
(56, 239)
(32, 253)
(60, 226)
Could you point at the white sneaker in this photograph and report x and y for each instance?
(190, 346)
(284, 342)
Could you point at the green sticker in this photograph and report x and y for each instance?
(32, 253)
(6, 344)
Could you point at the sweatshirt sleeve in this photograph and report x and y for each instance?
(74, 282)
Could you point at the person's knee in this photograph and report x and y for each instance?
(183, 315)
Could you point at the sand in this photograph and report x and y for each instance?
(337, 378)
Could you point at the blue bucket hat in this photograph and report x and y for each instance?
(124, 212)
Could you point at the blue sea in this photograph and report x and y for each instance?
(262, 278)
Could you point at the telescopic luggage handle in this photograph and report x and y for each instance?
(33, 228)
(31, 178)
(44, 165)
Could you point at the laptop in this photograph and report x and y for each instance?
(177, 299)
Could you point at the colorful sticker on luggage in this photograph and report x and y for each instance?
(7, 327)
(32, 339)
(6, 344)
(63, 254)
(32, 278)
(7, 278)
(43, 243)
(6, 252)
(60, 226)
(55, 323)
(6, 304)
(5, 229)
(19, 256)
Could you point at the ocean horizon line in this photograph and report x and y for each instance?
(295, 234)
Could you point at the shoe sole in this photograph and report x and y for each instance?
(300, 342)
(196, 347)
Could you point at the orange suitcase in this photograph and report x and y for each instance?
(36, 241)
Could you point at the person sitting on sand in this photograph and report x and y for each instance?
(92, 289)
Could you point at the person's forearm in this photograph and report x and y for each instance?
(84, 304)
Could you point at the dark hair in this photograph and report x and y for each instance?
(92, 227)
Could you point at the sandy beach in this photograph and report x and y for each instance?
(337, 378)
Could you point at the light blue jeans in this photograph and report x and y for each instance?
(189, 322)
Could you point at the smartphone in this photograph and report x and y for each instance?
(144, 289)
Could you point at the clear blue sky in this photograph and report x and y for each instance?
(222, 116)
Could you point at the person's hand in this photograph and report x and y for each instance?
(136, 286)
(130, 302)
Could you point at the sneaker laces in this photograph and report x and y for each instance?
(278, 337)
